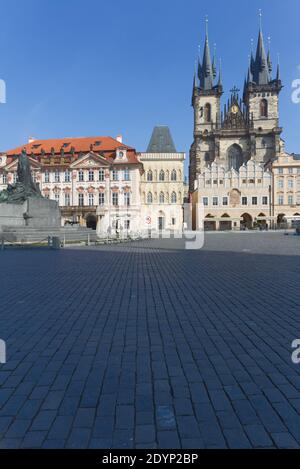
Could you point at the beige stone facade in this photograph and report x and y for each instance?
(162, 191)
(286, 189)
(234, 200)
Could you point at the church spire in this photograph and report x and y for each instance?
(278, 76)
(269, 56)
(220, 80)
(250, 68)
(261, 68)
(207, 74)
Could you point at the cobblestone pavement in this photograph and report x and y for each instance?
(143, 346)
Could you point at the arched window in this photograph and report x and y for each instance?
(207, 112)
(173, 175)
(150, 176)
(161, 198)
(235, 157)
(149, 198)
(162, 176)
(174, 198)
(264, 108)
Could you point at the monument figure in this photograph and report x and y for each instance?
(24, 188)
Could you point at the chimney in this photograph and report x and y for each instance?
(31, 140)
(119, 138)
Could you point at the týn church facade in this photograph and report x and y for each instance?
(236, 145)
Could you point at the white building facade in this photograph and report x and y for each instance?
(98, 189)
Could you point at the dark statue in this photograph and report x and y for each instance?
(25, 187)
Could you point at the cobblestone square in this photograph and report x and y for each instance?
(146, 345)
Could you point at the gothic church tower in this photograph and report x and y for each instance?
(246, 128)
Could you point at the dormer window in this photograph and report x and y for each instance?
(121, 153)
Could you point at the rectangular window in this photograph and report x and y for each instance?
(244, 201)
(225, 200)
(127, 224)
(280, 200)
(57, 198)
(47, 176)
(298, 200)
(254, 200)
(205, 201)
(126, 174)
(291, 170)
(81, 200)
(101, 198)
(173, 221)
(265, 200)
(81, 176)
(215, 201)
(4, 179)
(252, 181)
(91, 200)
(67, 200)
(115, 198)
(215, 182)
(127, 199)
(15, 178)
(280, 170)
(115, 176)
(290, 200)
(280, 184)
(101, 175)
(57, 176)
(91, 176)
(67, 176)
(290, 184)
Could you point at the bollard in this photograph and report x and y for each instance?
(54, 242)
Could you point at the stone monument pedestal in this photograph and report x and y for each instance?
(33, 213)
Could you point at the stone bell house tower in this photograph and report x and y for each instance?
(245, 128)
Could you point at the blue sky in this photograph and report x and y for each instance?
(104, 67)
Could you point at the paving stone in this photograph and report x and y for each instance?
(258, 436)
(146, 346)
(168, 440)
(144, 434)
(285, 441)
(34, 440)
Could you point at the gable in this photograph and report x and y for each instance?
(90, 160)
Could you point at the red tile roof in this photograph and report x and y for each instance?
(104, 145)
(80, 144)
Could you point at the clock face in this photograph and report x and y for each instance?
(234, 109)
